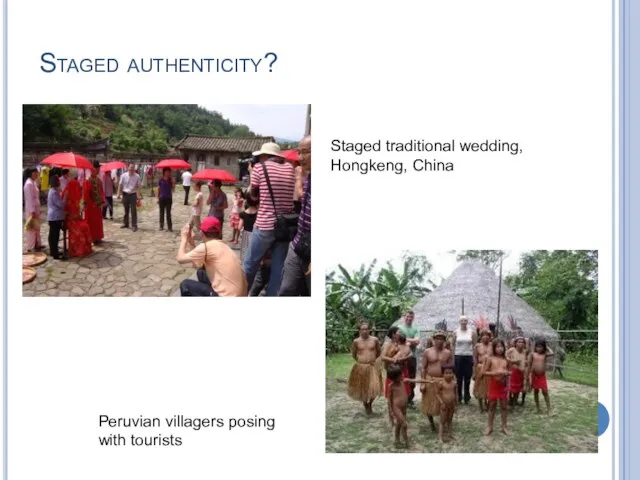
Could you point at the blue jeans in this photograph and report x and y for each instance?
(261, 242)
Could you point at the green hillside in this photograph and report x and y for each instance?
(131, 128)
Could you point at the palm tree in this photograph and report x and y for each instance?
(379, 297)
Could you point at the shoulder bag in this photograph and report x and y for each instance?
(286, 225)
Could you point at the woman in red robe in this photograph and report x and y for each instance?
(79, 233)
(93, 203)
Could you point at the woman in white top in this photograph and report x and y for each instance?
(463, 343)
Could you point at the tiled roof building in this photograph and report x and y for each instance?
(218, 152)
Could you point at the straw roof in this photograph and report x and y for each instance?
(478, 285)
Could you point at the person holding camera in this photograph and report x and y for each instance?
(219, 271)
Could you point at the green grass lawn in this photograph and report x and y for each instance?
(576, 371)
(571, 428)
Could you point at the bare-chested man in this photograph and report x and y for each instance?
(432, 361)
(365, 381)
(481, 352)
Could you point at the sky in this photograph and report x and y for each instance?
(282, 121)
(443, 263)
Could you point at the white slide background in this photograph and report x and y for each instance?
(536, 73)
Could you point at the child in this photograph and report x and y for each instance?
(235, 215)
(537, 373)
(397, 400)
(404, 351)
(496, 368)
(197, 206)
(247, 219)
(400, 359)
(517, 356)
(447, 391)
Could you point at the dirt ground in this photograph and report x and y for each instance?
(571, 427)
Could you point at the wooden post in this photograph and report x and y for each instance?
(499, 296)
(307, 128)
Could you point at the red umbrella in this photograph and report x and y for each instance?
(107, 167)
(291, 155)
(214, 174)
(68, 160)
(173, 163)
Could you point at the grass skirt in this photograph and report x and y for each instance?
(430, 404)
(479, 384)
(365, 382)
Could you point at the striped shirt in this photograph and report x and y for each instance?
(283, 182)
(304, 222)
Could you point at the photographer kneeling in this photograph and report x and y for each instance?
(219, 271)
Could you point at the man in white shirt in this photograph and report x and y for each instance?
(130, 185)
(186, 184)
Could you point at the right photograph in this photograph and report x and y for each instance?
(463, 351)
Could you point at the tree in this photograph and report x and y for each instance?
(240, 131)
(129, 127)
(379, 296)
(562, 285)
(489, 257)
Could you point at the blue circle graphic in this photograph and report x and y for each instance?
(603, 419)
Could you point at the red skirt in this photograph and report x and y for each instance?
(497, 388)
(539, 381)
(516, 384)
(388, 382)
(79, 238)
(93, 217)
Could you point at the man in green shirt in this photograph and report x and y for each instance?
(413, 340)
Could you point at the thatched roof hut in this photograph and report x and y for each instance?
(478, 285)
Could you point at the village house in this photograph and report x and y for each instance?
(34, 152)
(224, 153)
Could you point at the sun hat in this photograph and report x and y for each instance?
(210, 225)
(440, 334)
(271, 149)
(463, 317)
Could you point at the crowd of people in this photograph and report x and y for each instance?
(270, 221)
(72, 207)
(502, 375)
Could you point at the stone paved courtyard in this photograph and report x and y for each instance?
(125, 264)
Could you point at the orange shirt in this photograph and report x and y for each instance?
(223, 268)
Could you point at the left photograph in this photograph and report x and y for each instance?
(166, 200)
